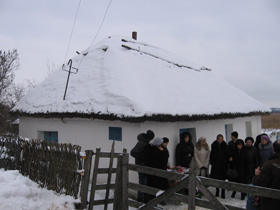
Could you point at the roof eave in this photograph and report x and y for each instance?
(155, 117)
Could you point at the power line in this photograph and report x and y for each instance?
(104, 16)
(100, 24)
(72, 30)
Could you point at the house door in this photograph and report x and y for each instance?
(192, 131)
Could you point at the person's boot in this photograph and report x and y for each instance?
(233, 194)
(223, 194)
(217, 192)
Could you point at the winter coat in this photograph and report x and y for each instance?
(156, 158)
(252, 161)
(231, 147)
(202, 159)
(240, 165)
(269, 177)
(184, 153)
(219, 157)
(138, 151)
(265, 151)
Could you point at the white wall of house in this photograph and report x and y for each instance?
(91, 134)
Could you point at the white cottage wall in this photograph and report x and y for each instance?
(91, 134)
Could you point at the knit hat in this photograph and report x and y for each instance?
(157, 141)
(165, 140)
(265, 137)
(239, 141)
(149, 135)
(249, 138)
(201, 139)
(235, 134)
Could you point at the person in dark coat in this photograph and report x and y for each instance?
(157, 157)
(240, 165)
(265, 149)
(219, 157)
(252, 158)
(258, 140)
(268, 176)
(138, 152)
(231, 143)
(184, 150)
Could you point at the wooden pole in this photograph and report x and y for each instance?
(192, 186)
(109, 176)
(85, 179)
(94, 178)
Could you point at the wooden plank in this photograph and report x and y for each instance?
(156, 172)
(168, 193)
(94, 178)
(262, 191)
(213, 200)
(200, 202)
(108, 155)
(103, 186)
(118, 188)
(192, 186)
(102, 202)
(142, 188)
(85, 179)
(109, 176)
(125, 161)
(105, 170)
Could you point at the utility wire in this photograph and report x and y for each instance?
(72, 31)
(96, 32)
(100, 24)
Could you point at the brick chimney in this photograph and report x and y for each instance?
(134, 35)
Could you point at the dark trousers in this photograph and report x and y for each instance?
(142, 197)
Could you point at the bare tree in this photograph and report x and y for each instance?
(9, 63)
(9, 93)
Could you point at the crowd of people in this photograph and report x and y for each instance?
(237, 161)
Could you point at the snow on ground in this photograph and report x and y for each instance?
(20, 193)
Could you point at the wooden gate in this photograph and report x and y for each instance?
(122, 200)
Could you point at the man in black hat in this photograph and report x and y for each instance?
(138, 152)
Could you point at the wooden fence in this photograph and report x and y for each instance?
(122, 184)
(53, 166)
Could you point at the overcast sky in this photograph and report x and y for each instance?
(239, 40)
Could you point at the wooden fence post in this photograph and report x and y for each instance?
(192, 186)
(85, 179)
(125, 161)
(94, 178)
(118, 186)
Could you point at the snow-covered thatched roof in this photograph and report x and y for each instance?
(123, 79)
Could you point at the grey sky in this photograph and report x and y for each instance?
(239, 40)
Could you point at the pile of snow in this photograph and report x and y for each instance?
(20, 193)
(125, 77)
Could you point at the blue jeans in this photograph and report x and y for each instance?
(142, 197)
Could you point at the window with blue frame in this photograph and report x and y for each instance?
(115, 133)
(51, 136)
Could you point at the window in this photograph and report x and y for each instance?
(228, 131)
(115, 133)
(51, 136)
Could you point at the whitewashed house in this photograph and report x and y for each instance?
(124, 87)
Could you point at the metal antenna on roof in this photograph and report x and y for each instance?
(69, 72)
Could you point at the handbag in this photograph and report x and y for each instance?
(231, 173)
